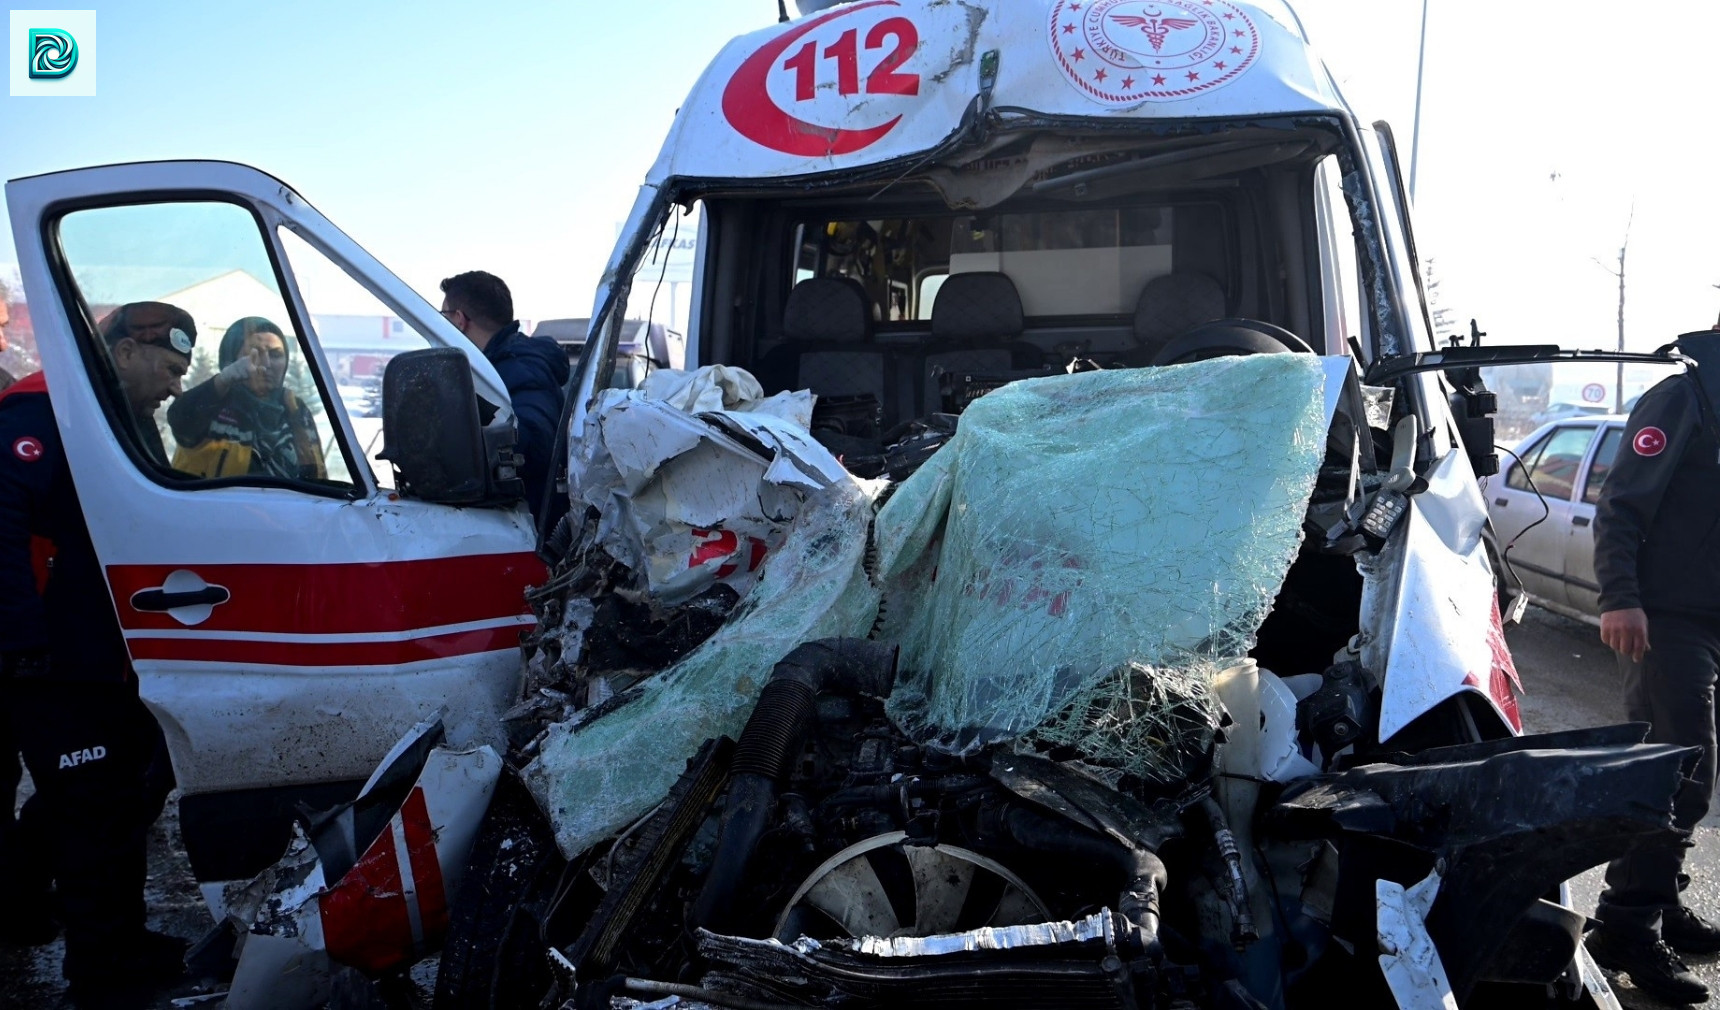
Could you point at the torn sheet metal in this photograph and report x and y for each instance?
(388, 908)
(1100, 926)
(592, 777)
(1429, 595)
(1079, 523)
(1080, 958)
(283, 961)
(392, 907)
(725, 387)
(1408, 957)
(693, 499)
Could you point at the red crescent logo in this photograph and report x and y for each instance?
(756, 116)
(1650, 441)
(27, 449)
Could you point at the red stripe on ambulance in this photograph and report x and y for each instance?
(342, 598)
(336, 654)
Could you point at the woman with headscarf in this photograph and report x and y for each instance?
(244, 420)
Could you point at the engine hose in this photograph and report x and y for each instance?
(1242, 931)
(774, 735)
(1143, 870)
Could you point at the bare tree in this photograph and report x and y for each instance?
(1623, 250)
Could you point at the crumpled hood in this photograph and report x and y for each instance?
(1078, 525)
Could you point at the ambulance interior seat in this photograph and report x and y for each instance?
(827, 347)
(827, 343)
(1171, 305)
(977, 327)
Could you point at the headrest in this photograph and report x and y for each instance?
(1175, 303)
(828, 310)
(977, 306)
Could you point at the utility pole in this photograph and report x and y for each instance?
(1623, 249)
(1415, 134)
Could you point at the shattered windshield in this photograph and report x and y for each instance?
(1079, 524)
(1084, 544)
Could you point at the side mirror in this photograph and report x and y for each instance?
(432, 435)
(1472, 407)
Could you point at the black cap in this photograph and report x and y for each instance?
(156, 323)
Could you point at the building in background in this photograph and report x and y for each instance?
(663, 283)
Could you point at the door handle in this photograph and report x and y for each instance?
(183, 596)
(160, 599)
(1579, 520)
(1501, 502)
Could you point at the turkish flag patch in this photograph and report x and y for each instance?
(27, 449)
(1650, 441)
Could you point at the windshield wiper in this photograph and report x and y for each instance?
(1388, 370)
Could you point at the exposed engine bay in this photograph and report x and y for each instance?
(997, 783)
(824, 859)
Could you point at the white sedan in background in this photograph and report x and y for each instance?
(1543, 509)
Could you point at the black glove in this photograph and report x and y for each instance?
(25, 663)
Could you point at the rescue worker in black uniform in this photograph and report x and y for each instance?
(26, 883)
(1657, 558)
(96, 755)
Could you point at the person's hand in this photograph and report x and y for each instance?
(240, 372)
(1626, 632)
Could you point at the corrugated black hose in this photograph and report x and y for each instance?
(774, 736)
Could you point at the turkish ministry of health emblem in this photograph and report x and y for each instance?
(1122, 52)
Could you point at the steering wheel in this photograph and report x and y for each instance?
(1224, 337)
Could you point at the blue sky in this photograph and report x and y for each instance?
(442, 136)
(512, 137)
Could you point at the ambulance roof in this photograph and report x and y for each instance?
(876, 81)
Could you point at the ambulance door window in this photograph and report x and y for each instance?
(207, 375)
(358, 334)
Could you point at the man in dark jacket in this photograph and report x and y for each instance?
(1657, 557)
(534, 370)
(96, 755)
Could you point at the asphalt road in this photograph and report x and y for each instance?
(1569, 678)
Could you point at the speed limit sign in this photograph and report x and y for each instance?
(1594, 392)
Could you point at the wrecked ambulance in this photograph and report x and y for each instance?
(1059, 580)
(1134, 641)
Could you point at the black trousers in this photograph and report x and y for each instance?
(26, 855)
(99, 764)
(1673, 690)
(11, 773)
